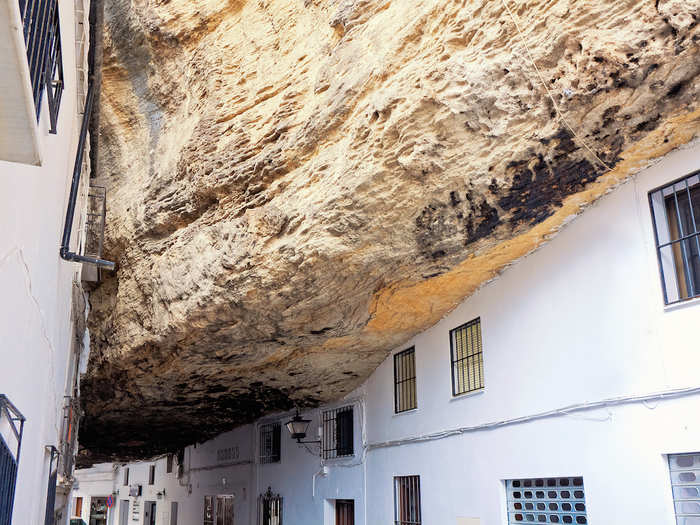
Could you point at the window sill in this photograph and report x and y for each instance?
(467, 395)
(405, 412)
(682, 304)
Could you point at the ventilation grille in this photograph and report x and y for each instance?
(685, 480)
(546, 500)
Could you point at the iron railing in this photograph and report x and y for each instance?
(95, 221)
(12, 420)
(407, 504)
(42, 38)
(69, 438)
(270, 443)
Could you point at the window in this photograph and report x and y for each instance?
(270, 508)
(78, 507)
(270, 443)
(675, 210)
(546, 500)
(467, 358)
(405, 381)
(42, 37)
(126, 477)
(11, 429)
(685, 481)
(151, 474)
(337, 438)
(407, 500)
(169, 463)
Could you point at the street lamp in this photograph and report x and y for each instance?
(297, 427)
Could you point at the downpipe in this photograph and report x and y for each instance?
(65, 252)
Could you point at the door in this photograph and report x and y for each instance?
(124, 512)
(224, 510)
(173, 513)
(344, 512)
(149, 513)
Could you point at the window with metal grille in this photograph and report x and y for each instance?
(685, 481)
(151, 474)
(126, 477)
(467, 358)
(407, 500)
(546, 500)
(675, 210)
(270, 440)
(51, 490)
(405, 381)
(269, 508)
(169, 463)
(11, 430)
(337, 438)
(42, 38)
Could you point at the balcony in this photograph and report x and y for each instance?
(31, 71)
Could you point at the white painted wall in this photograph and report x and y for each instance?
(580, 321)
(35, 311)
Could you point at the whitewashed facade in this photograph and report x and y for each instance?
(42, 299)
(588, 378)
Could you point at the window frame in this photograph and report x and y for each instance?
(151, 474)
(407, 382)
(126, 477)
(275, 430)
(663, 222)
(414, 491)
(453, 361)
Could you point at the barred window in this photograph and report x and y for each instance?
(151, 474)
(126, 477)
(405, 381)
(169, 464)
(337, 439)
(467, 358)
(407, 509)
(685, 481)
(546, 500)
(344, 512)
(270, 443)
(11, 431)
(270, 508)
(675, 210)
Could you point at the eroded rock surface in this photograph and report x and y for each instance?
(297, 186)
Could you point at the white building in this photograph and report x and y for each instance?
(565, 391)
(43, 82)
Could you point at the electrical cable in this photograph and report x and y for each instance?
(564, 411)
(544, 84)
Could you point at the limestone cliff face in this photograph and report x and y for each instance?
(297, 186)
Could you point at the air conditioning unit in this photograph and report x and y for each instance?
(135, 490)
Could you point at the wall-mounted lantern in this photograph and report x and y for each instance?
(297, 427)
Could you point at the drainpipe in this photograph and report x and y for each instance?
(65, 252)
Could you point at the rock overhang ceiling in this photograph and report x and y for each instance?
(295, 187)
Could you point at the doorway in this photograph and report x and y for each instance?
(344, 512)
(98, 511)
(124, 512)
(149, 513)
(224, 510)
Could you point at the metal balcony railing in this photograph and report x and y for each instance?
(69, 438)
(42, 37)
